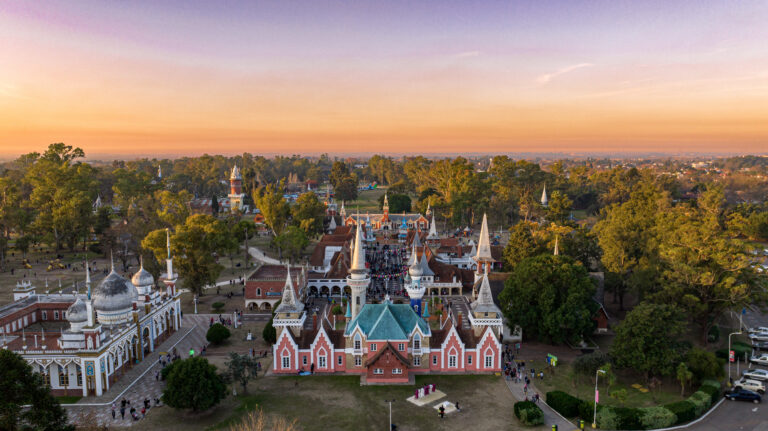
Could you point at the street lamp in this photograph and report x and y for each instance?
(195, 299)
(729, 353)
(390, 412)
(594, 415)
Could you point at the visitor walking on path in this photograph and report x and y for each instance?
(114, 408)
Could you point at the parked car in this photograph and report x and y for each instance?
(750, 384)
(743, 395)
(762, 359)
(758, 329)
(758, 374)
(759, 336)
(760, 344)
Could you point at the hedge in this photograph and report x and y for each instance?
(684, 410)
(630, 418)
(740, 350)
(564, 403)
(529, 413)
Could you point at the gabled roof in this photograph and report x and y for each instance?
(289, 303)
(387, 322)
(388, 348)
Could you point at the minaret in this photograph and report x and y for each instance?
(483, 256)
(169, 278)
(385, 207)
(414, 288)
(236, 194)
(358, 279)
(89, 302)
(159, 172)
(432, 238)
(544, 200)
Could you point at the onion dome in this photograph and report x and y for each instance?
(143, 278)
(415, 269)
(77, 312)
(113, 299)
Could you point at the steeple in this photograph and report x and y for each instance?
(385, 207)
(544, 200)
(358, 257)
(429, 209)
(289, 302)
(484, 302)
(432, 229)
(358, 278)
(235, 173)
(484, 243)
(87, 278)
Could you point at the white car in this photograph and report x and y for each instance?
(759, 336)
(758, 374)
(762, 359)
(750, 385)
(763, 329)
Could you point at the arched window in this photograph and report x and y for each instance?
(358, 342)
(452, 358)
(416, 342)
(489, 358)
(79, 375)
(258, 291)
(321, 359)
(63, 376)
(286, 359)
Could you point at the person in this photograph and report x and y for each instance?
(143, 412)
(122, 412)
(525, 389)
(457, 407)
(312, 368)
(442, 412)
(114, 408)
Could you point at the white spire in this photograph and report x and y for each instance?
(358, 257)
(332, 225)
(168, 241)
(484, 302)
(235, 173)
(87, 277)
(484, 243)
(386, 202)
(544, 200)
(112, 260)
(432, 229)
(159, 172)
(289, 303)
(413, 260)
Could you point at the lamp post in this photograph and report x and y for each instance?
(594, 414)
(390, 412)
(195, 304)
(729, 353)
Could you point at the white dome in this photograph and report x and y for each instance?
(113, 299)
(77, 312)
(143, 278)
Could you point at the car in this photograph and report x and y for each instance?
(758, 374)
(762, 359)
(750, 385)
(759, 336)
(743, 395)
(760, 344)
(756, 329)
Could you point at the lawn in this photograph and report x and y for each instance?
(340, 403)
(68, 399)
(367, 201)
(638, 394)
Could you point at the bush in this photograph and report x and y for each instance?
(712, 387)
(741, 350)
(529, 413)
(607, 418)
(217, 307)
(713, 335)
(703, 364)
(217, 333)
(589, 364)
(656, 417)
(269, 333)
(701, 400)
(337, 310)
(684, 410)
(193, 384)
(628, 417)
(564, 403)
(587, 410)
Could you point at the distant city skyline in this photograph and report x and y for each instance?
(455, 77)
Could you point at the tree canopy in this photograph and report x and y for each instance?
(193, 384)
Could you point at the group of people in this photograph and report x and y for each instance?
(125, 405)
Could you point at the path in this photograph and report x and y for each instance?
(550, 416)
(260, 256)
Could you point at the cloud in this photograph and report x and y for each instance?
(467, 54)
(543, 79)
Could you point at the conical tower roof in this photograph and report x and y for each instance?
(544, 199)
(484, 243)
(289, 303)
(235, 174)
(484, 302)
(358, 256)
(432, 229)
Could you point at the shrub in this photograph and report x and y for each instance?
(713, 335)
(607, 418)
(701, 400)
(217, 333)
(589, 364)
(217, 307)
(712, 387)
(628, 417)
(269, 333)
(656, 417)
(684, 410)
(564, 403)
(529, 413)
(587, 410)
(703, 364)
(337, 310)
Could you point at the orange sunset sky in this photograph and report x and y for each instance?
(167, 78)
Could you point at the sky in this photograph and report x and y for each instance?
(135, 78)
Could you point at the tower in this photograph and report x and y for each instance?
(483, 257)
(290, 313)
(169, 278)
(358, 279)
(385, 207)
(544, 200)
(414, 288)
(236, 194)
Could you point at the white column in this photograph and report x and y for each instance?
(97, 376)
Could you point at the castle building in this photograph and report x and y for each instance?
(109, 329)
(387, 342)
(386, 222)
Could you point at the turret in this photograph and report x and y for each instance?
(415, 288)
(170, 277)
(236, 194)
(483, 256)
(290, 313)
(544, 200)
(358, 279)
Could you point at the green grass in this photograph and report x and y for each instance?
(71, 399)
(367, 201)
(584, 387)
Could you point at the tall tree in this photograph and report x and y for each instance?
(242, 369)
(291, 243)
(346, 189)
(551, 298)
(339, 171)
(193, 384)
(308, 214)
(522, 244)
(273, 207)
(19, 386)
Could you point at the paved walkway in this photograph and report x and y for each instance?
(139, 382)
(260, 256)
(550, 416)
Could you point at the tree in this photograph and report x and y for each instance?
(193, 384)
(273, 207)
(195, 246)
(217, 333)
(397, 203)
(308, 214)
(646, 339)
(522, 244)
(339, 172)
(292, 242)
(559, 207)
(684, 376)
(20, 385)
(269, 333)
(346, 190)
(703, 364)
(581, 244)
(214, 205)
(242, 369)
(550, 297)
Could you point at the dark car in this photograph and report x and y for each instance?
(743, 395)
